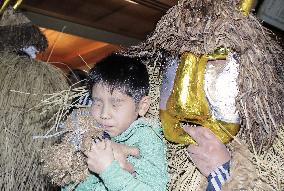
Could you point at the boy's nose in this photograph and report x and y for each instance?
(105, 113)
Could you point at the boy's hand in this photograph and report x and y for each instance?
(210, 153)
(100, 156)
(121, 152)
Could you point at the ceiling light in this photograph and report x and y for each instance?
(133, 2)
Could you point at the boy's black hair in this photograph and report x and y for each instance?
(126, 74)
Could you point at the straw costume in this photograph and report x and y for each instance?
(24, 84)
(202, 27)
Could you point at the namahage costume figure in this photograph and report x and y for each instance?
(222, 70)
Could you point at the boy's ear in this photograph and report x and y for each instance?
(144, 105)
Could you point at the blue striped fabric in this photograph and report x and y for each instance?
(218, 177)
(85, 100)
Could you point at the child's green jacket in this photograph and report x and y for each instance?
(151, 167)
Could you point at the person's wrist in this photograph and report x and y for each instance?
(218, 177)
(105, 166)
(109, 169)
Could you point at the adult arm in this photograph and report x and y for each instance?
(210, 156)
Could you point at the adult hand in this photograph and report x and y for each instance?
(209, 153)
(121, 152)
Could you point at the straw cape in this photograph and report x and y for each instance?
(27, 89)
(24, 84)
(200, 27)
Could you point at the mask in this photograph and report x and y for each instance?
(200, 90)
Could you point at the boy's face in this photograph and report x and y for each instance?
(113, 111)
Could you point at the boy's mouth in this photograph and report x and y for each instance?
(105, 126)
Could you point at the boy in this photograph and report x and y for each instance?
(119, 87)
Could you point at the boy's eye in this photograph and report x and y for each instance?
(116, 103)
(96, 102)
